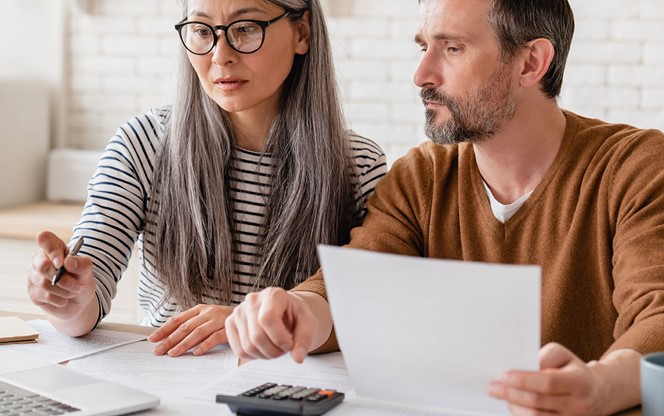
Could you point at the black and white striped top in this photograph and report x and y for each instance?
(119, 191)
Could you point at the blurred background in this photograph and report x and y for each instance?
(73, 71)
(103, 61)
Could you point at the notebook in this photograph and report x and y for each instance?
(14, 330)
(31, 382)
(430, 335)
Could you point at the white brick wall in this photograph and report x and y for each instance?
(121, 62)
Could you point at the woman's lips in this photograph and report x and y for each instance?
(229, 85)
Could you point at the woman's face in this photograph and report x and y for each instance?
(247, 83)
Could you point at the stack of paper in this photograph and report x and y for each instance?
(14, 330)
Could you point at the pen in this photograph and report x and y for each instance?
(61, 271)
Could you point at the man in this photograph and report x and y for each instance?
(512, 178)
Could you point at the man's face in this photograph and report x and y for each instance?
(466, 87)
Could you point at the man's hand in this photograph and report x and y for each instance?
(201, 327)
(73, 298)
(566, 385)
(273, 322)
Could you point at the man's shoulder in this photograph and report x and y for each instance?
(432, 155)
(617, 148)
(612, 134)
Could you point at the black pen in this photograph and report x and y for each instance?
(61, 271)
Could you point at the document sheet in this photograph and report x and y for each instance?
(57, 347)
(432, 333)
(170, 378)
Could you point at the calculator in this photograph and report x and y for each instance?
(272, 399)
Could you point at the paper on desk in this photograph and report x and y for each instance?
(326, 371)
(57, 347)
(135, 365)
(431, 332)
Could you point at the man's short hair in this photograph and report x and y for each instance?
(517, 22)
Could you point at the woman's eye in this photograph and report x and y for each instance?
(246, 29)
(202, 31)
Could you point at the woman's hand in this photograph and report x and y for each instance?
(273, 322)
(201, 326)
(566, 385)
(73, 298)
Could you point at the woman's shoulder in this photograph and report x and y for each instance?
(148, 126)
(361, 146)
(368, 158)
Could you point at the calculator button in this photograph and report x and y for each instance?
(315, 398)
(304, 393)
(272, 391)
(259, 389)
(288, 393)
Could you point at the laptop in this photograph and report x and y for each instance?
(28, 382)
(430, 335)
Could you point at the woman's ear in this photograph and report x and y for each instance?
(537, 57)
(303, 31)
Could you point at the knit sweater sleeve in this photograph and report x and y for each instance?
(637, 201)
(397, 213)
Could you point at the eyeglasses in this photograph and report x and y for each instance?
(244, 36)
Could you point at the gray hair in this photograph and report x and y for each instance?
(311, 201)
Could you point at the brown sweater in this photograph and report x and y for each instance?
(595, 224)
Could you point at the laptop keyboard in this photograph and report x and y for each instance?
(15, 401)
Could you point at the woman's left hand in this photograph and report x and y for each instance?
(201, 327)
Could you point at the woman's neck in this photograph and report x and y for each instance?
(251, 130)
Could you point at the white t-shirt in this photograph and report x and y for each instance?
(504, 212)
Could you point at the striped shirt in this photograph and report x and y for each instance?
(114, 216)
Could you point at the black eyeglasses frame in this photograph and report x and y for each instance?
(262, 23)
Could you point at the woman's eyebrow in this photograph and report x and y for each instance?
(233, 15)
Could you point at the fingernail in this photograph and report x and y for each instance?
(57, 262)
(299, 352)
(152, 337)
(159, 350)
(198, 351)
(493, 389)
(174, 352)
(73, 264)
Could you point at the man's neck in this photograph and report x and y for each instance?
(514, 161)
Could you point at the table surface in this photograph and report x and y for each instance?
(26, 221)
(137, 329)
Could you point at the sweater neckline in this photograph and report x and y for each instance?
(481, 199)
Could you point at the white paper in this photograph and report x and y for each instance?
(170, 378)
(428, 332)
(57, 347)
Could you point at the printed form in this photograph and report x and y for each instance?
(57, 347)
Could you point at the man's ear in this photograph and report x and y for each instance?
(537, 57)
(303, 28)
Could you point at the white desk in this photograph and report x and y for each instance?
(147, 330)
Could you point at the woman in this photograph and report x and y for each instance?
(228, 191)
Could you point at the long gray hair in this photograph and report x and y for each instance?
(312, 199)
